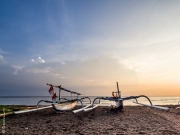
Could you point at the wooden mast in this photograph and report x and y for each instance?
(59, 92)
(119, 93)
(119, 104)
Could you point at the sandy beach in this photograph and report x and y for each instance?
(103, 120)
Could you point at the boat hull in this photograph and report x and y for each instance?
(66, 106)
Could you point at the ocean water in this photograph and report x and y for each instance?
(33, 100)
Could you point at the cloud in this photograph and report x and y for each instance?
(45, 68)
(105, 32)
(17, 68)
(42, 70)
(32, 60)
(96, 76)
(40, 60)
(1, 58)
(84, 76)
(157, 62)
(63, 63)
(2, 52)
(37, 60)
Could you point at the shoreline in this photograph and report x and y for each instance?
(102, 120)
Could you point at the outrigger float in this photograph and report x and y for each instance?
(64, 104)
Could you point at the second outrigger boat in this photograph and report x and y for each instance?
(116, 97)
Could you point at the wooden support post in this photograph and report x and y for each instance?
(59, 92)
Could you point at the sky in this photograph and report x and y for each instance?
(88, 46)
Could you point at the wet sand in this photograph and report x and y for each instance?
(133, 120)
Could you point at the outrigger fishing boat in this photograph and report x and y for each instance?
(62, 104)
(116, 97)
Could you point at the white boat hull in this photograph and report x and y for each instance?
(64, 106)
